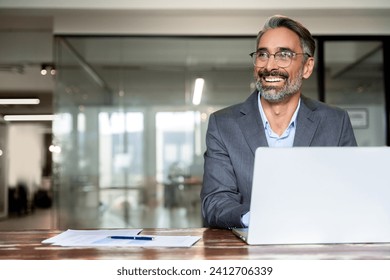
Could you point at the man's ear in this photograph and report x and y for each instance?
(308, 68)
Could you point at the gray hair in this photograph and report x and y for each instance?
(307, 41)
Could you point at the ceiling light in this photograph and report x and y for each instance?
(198, 90)
(29, 118)
(48, 68)
(19, 101)
(55, 149)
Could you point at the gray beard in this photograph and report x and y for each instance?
(272, 94)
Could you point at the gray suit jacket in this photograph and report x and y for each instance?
(234, 134)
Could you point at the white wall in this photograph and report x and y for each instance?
(205, 17)
(319, 22)
(192, 5)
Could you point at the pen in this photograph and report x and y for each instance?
(139, 237)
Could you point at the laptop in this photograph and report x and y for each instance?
(319, 195)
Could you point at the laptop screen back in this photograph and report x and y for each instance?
(320, 195)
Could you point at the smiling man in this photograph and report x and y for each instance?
(275, 115)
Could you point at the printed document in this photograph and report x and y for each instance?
(95, 238)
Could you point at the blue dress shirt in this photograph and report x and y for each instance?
(274, 140)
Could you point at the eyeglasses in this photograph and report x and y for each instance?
(282, 58)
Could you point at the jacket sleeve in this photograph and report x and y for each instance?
(347, 135)
(221, 200)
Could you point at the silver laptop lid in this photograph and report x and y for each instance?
(320, 195)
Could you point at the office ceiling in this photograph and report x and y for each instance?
(25, 43)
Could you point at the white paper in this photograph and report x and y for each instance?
(72, 235)
(101, 238)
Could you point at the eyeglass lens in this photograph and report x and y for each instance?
(282, 59)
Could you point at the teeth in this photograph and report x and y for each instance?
(273, 79)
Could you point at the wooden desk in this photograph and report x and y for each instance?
(215, 245)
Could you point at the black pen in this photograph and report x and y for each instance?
(137, 237)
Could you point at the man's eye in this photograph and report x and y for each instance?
(262, 55)
(285, 55)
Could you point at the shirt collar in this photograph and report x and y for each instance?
(265, 120)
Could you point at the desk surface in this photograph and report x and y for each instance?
(216, 244)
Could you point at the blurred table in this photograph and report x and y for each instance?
(216, 244)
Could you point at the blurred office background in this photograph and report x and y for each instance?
(125, 148)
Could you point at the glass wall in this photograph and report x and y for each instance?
(131, 139)
(3, 169)
(354, 81)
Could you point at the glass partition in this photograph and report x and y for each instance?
(3, 170)
(131, 139)
(354, 81)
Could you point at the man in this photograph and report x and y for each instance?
(275, 115)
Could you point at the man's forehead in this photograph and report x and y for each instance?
(279, 49)
(278, 39)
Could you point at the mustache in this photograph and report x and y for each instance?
(265, 73)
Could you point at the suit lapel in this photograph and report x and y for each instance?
(252, 127)
(307, 123)
(251, 124)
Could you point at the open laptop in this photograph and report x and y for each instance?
(320, 195)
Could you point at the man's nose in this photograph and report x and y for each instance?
(271, 63)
